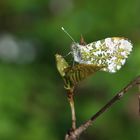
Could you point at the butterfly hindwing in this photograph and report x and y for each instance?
(79, 72)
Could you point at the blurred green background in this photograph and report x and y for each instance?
(33, 103)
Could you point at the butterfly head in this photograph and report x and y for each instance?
(75, 49)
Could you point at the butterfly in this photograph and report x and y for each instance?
(110, 52)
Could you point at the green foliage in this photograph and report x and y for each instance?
(32, 101)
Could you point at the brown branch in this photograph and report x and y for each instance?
(74, 135)
(139, 98)
(139, 103)
(71, 101)
(73, 113)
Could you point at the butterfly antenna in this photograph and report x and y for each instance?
(68, 34)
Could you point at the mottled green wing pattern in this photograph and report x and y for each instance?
(79, 72)
(72, 75)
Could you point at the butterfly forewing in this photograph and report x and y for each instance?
(110, 52)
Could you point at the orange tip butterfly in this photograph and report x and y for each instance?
(110, 52)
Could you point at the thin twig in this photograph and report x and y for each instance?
(73, 114)
(71, 101)
(139, 103)
(75, 134)
(139, 98)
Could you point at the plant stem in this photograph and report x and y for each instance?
(73, 114)
(71, 101)
(74, 135)
(139, 103)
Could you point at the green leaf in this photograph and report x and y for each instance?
(61, 64)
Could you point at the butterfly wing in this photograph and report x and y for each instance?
(110, 52)
(72, 75)
(79, 72)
